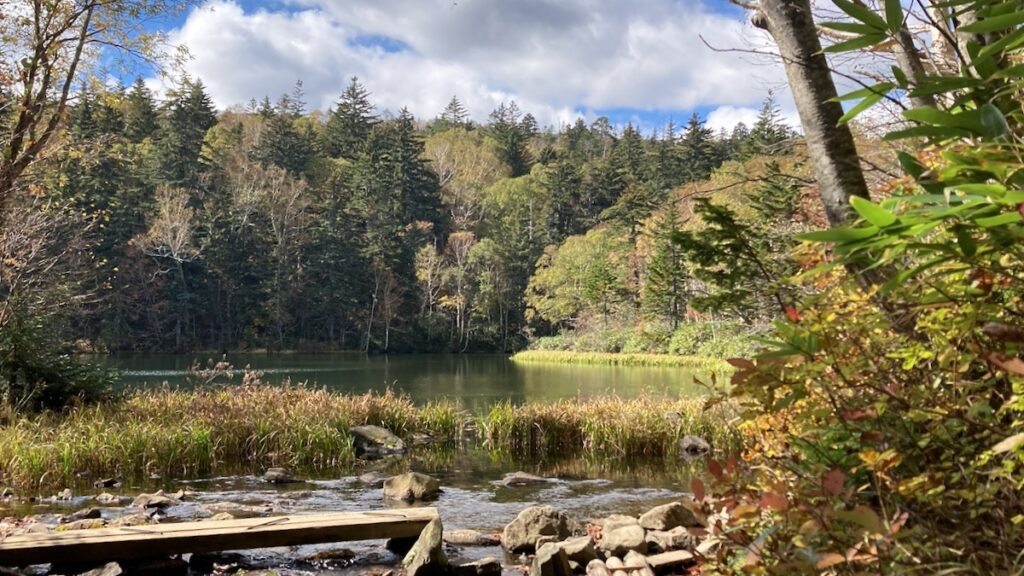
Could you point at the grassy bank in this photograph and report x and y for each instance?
(623, 359)
(188, 434)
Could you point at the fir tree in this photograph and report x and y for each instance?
(665, 285)
(350, 124)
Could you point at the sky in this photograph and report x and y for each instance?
(640, 61)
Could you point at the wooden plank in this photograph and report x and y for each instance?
(148, 541)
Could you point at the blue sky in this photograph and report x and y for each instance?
(642, 61)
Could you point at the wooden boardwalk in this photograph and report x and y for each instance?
(150, 541)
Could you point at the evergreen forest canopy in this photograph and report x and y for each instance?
(277, 227)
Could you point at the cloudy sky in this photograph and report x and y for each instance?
(640, 61)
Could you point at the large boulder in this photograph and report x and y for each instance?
(517, 479)
(426, 558)
(157, 500)
(693, 447)
(550, 560)
(674, 539)
(279, 476)
(411, 486)
(375, 442)
(533, 523)
(667, 517)
(597, 568)
(620, 534)
(580, 549)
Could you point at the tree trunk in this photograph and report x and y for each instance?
(830, 146)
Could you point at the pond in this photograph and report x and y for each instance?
(477, 381)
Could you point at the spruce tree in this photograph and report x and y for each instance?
(189, 114)
(511, 138)
(140, 116)
(350, 124)
(697, 150)
(665, 289)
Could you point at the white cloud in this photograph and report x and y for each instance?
(559, 59)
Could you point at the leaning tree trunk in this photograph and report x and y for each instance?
(830, 146)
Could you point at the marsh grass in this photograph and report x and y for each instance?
(195, 433)
(609, 427)
(623, 359)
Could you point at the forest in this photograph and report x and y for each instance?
(270, 226)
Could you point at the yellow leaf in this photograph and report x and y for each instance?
(829, 559)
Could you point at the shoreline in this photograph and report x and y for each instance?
(621, 359)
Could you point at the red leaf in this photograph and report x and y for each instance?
(794, 316)
(730, 465)
(859, 414)
(1020, 208)
(699, 493)
(833, 481)
(1009, 364)
(716, 470)
(741, 363)
(871, 436)
(774, 501)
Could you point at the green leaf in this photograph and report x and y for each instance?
(936, 132)
(911, 165)
(1000, 220)
(935, 117)
(901, 76)
(880, 88)
(894, 15)
(992, 24)
(993, 121)
(966, 242)
(856, 43)
(980, 189)
(851, 27)
(861, 106)
(863, 14)
(873, 213)
(839, 234)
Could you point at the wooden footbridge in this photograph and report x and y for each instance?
(151, 541)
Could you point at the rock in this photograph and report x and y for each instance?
(427, 555)
(670, 560)
(64, 495)
(86, 524)
(517, 479)
(412, 486)
(544, 540)
(375, 442)
(87, 514)
(157, 500)
(108, 569)
(533, 523)
(576, 567)
(206, 562)
(420, 439)
(331, 554)
(667, 517)
(579, 549)
(615, 563)
(483, 567)
(108, 499)
(133, 520)
(635, 560)
(221, 517)
(693, 447)
(676, 538)
(107, 483)
(597, 568)
(470, 538)
(620, 534)
(550, 560)
(279, 476)
(374, 478)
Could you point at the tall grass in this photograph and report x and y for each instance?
(609, 427)
(187, 434)
(621, 359)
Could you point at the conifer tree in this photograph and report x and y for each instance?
(350, 124)
(665, 285)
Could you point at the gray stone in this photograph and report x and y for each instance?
(674, 539)
(470, 538)
(374, 478)
(411, 486)
(426, 558)
(332, 554)
(157, 500)
(86, 514)
(550, 561)
(544, 540)
(531, 524)
(615, 563)
(375, 442)
(108, 499)
(279, 476)
(107, 483)
(620, 534)
(634, 560)
(667, 517)
(693, 447)
(484, 567)
(517, 479)
(597, 568)
(64, 495)
(108, 569)
(579, 549)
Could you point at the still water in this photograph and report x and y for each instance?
(475, 380)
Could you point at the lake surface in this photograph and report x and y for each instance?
(476, 380)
